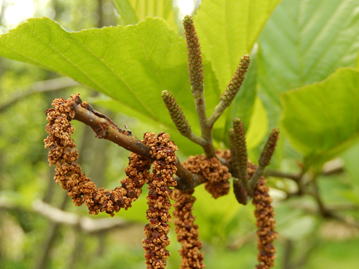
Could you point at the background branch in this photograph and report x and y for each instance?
(38, 87)
(55, 215)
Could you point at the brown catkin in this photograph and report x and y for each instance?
(269, 148)
(187, 230)
(162, 151)
(239, 148)
(63, 154)
(265, 225)
(216, 174)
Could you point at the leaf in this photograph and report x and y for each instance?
(257, 131)
(132, 64)
(322, 119)
(133, 11)
(228, 30)
(126, 11)
(304, 42)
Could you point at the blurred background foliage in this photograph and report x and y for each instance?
(303, 79)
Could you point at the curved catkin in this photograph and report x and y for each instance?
(162, 151)
(63, 154)
(216, 174)
(187, 230)
(265, 225)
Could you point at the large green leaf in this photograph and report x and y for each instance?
(132, 64)
(228, 30)
(322, 119)
(304, 42)
(133, 11)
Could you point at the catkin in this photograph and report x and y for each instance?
(236, 81)
(187, 230)
(194, 56)
(162, 151)
(63, 154)
(216, 174)
(176, 113)
(269, 148)
(265, 225)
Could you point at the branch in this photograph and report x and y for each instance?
(280, 174)
(328, 170)
(105, 128)
(38, 87)
(86, 224)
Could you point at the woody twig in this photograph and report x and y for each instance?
(105, 128)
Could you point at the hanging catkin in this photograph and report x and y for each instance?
(63, 154)
(162, 151)
(265, 225)
(187, 230)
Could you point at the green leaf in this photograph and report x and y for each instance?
(228, 30)
(257, 131)
(126, 11)
(133, 11)
(304, 42)
(322, 119)
(131, 64)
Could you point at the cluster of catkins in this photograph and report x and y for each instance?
(216, 174)
(63, 154)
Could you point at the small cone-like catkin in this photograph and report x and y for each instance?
(176, 113)
(239, 149)
(231, 90)
(265, 225)
(236, 81)
(269, 148)
(187, 230)
(239, 161)
(194, 56)
(162, 151)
